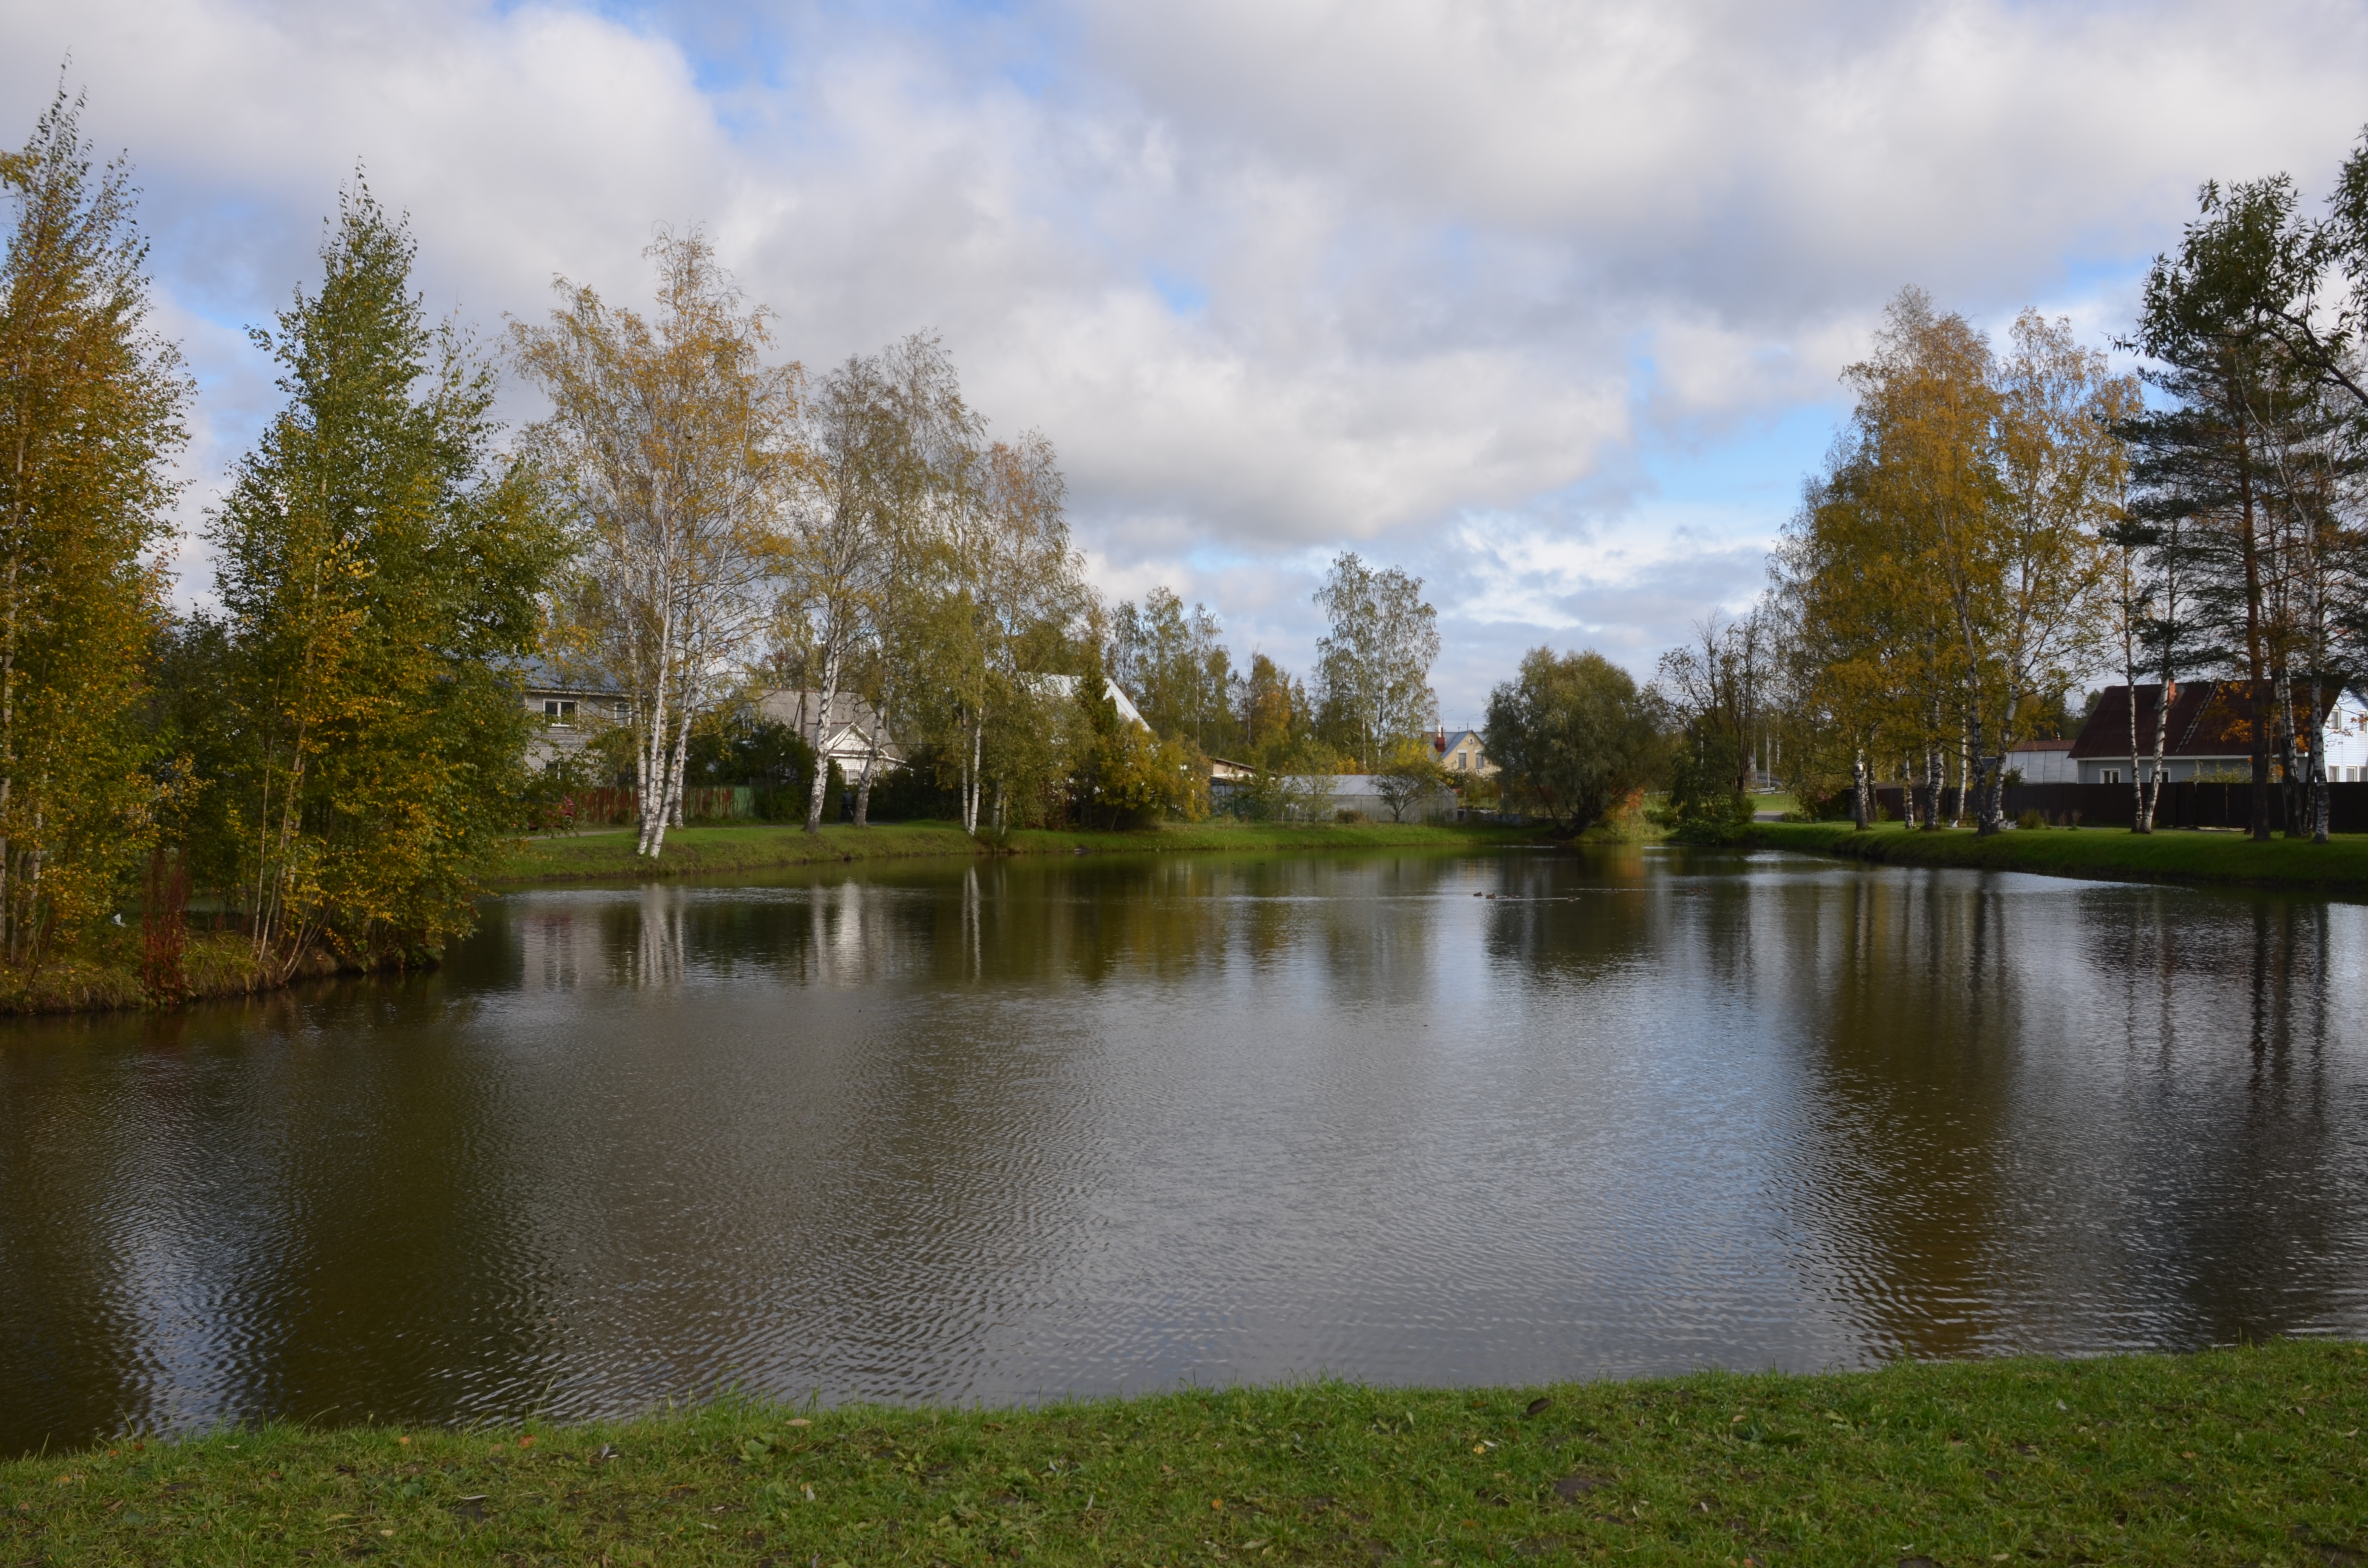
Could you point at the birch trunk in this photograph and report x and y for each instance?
(830, 673)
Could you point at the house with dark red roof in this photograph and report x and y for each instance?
(2210, 735)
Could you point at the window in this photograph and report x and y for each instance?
(560, 709)
(1458, 762)
(2111, 775)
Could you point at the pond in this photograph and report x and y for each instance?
(1035, 1128)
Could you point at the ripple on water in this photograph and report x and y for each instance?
(1028, 1130)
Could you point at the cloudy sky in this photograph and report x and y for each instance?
(1544, 303)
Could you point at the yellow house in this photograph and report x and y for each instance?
(1462, 753)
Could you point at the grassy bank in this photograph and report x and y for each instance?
(104, 976)
(2339, 867)
(707, 851)
(2250, 1456)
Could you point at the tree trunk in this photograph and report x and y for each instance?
(822, 724)
(1861, 817)
(2315, 799)
(870, 763)
(2141, 808)
(2259, 686)
(2283, 740)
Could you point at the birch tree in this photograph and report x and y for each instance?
(91, 406)
(377, 565)
(931, 461)
(2062, 473)
(677, 446)
(893, 449)
(837, 535)
(1373, 662)
(1011, 578)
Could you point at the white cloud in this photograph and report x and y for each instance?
(1448, 281)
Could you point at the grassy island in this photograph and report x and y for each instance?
(2243, 1456)
(2338, 867)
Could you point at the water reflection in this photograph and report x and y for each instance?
(1025, 1128)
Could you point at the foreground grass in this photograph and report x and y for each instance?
(707, 851)
(2339, 866)
(2249, 1456)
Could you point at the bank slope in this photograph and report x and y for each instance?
(2338, 867)
(2248, 1455)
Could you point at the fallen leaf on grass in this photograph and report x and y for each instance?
(1571, 1488)
(1539, 1404)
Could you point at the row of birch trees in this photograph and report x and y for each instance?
(1994, 525)
(1938, 591)
(738, 523)
(1365, 701)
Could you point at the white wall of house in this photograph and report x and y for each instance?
(569, 716)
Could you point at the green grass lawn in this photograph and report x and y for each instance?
(723, 848)
(2339, 866)
(747, 846)
(2249, 1456)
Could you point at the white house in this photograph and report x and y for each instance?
(2208, 736)
(1066, 688)
(841, 733)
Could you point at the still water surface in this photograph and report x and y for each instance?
(1042, 1127)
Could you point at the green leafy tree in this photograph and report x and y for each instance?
(1170, 660)
(1272, 707)
(378, 567)
(1410, 776)
(1124, 776)
(1373, 662)
(1572, 734)
(91, 404)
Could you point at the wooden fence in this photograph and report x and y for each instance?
(701, 802)
(2177, 805)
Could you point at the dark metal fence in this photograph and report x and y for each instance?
(2178, 805)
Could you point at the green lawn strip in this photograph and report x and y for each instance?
(2339, 866)
(723, 849)
(1258, 837)
(2250, 1456)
